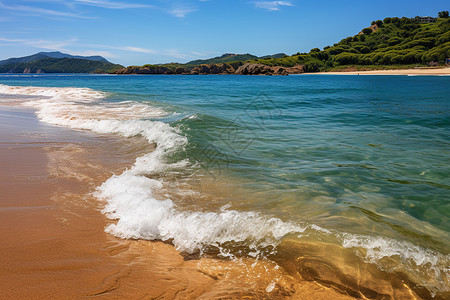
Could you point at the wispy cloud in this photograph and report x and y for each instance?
(42, 44)
(180, 11)
(272, 5)
(56, 46)
(37, 11)
(112, 5)
(72, 46)
(5, 19)
(137, 49)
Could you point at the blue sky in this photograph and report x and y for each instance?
(136, 32)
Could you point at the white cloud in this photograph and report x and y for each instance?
(137, 49)
(42, 44)
(36, 11)
(272, 5)
(112, 5)
(57, 46)
(108, 51)
(180, 11)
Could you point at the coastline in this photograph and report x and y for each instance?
(410, 72)
(54, 231)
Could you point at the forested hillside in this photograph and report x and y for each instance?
(393, 41)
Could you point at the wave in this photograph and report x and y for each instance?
(130, 196)
(137, 213)
(429, 268)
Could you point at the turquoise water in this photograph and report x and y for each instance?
(360, 156)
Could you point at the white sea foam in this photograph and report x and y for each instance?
(430, 268)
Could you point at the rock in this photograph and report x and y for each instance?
(260, 69)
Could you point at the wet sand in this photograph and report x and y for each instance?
(52, 229)
(441, 71)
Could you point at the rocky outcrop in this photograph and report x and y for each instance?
(260, 69)
(214, 69)
(151, 70)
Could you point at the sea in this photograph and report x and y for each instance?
(339, 179)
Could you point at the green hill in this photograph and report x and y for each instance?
(41, 55)
(60, 65)
(228, 57)
(391, 42)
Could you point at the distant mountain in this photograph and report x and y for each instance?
(228, 57)
(58, 54)
(42, 55)
(59, 65)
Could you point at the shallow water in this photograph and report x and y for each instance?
(317, 173)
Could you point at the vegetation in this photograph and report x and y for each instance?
(41, 55)
(443, 14)
(60, 65)
(222, 59)
(398, 41)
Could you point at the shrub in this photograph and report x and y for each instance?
(346, 58)
(311, 67)
(443, 14)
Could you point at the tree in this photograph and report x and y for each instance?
(367, 30)
(379, 23)
(315, 50)
(443, 14)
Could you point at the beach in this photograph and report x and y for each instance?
(147, 187)
(410, 72)
(54, 244)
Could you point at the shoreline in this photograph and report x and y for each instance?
(409, 72)
(54, 231)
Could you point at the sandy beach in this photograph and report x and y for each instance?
(54, 244)
(436, 72)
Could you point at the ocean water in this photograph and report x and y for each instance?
(314, 172)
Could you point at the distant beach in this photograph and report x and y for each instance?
(418, 71)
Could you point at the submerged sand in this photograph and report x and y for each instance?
(52, 230)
